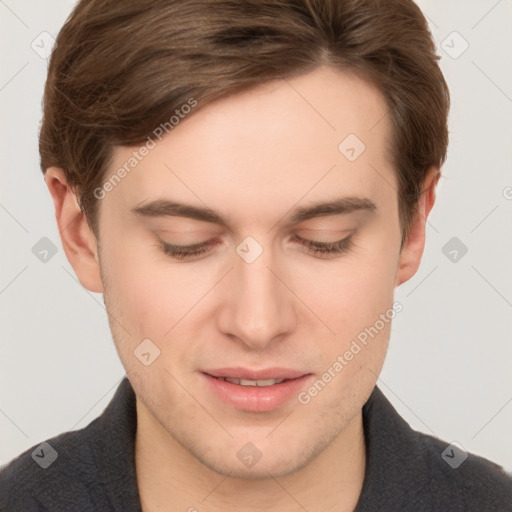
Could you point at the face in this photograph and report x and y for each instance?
(250, 278)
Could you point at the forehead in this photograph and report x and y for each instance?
(265, 149)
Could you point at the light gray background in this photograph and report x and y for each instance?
(448, 370)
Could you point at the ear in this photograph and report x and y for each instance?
(412, 251)
(77, 238)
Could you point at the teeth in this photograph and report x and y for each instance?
(259, 383)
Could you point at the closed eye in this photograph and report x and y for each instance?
(326, 248)
(314, 247)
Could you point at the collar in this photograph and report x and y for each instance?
(395, 469)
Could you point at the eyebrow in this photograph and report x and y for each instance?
(167, 208)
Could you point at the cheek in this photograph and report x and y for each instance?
(356, 302)
(354, 290)
(148, 293)
(136, 285)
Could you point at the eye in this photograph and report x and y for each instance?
(325, 248)
(183, 252)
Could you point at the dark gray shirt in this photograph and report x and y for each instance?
(94, 468)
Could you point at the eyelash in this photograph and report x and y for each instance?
(326, 248)
(182, 252)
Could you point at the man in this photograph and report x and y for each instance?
(246, 183)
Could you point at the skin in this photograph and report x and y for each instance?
(252, 157)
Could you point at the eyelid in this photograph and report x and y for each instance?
(186, 248)
(325, 250)
(337, 233)
(323, 245)
(212, 242)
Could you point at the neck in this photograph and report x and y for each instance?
(168, 476)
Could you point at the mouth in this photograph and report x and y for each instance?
(247, 382)
(255, 390)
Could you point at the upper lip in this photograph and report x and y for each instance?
(250, 374)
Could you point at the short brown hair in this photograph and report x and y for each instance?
(122, 68)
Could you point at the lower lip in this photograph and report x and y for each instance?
(255, 398)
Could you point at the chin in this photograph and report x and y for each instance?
(262, 470)
(247, 462)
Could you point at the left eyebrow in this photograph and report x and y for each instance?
(336, 207)
(167, 208)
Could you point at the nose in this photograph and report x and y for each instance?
(259, 308)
